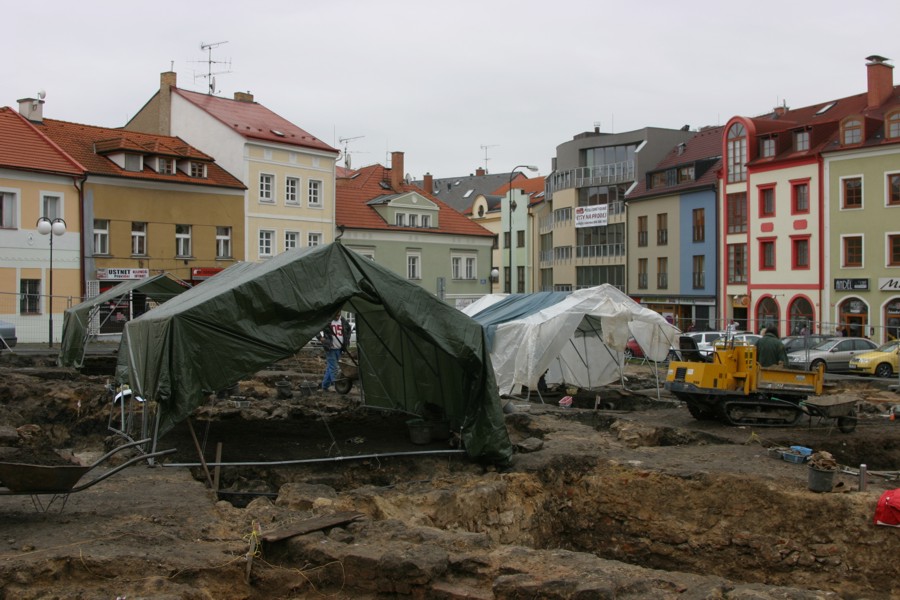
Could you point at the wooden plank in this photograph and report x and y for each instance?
(310, 525)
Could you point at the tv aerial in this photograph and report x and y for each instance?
(344, 141)
(210, 76)
(486, 147)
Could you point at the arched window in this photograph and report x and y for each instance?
(801, 316)
(767, 314)
(737, 153)
(892, 125)
(851, 132)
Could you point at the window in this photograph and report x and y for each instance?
(800, 253)
(51, 207)
(893, 250)
(198, 170)
(767, 147)
(470, 267)
(138, 238)
(266, 242)
(658, 179)
(699, 221)
(767, 201)
(166, 166)
(662, 273)
(737, 263)
(426, 222)
(101, 236)
(893, 125)
(182, 240)
(313, 239)
(737, 212)
(662, 229)
(737, 153)
(767, 255)
(463, 267)
(291, 190)
(893, 189)
(30, 296)
(686, 174)
(852, 251)
(456, 267)
(134, 162)
(799, 197)
(291, 240)
(413, 220)
(642, 273)
(223, 242)
(266, 187)
(642, 231)
(400, 219)
(520, 239)
(852, 192)
(801, 141)
(851, 132)
(315, 193)
(7, 210)
(413, 267)
(699, 274)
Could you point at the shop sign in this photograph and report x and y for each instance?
(204, 272)
(591, 216)
(889, 284)
(121, 274)
(851, 284)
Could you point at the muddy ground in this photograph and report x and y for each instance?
(633, 500)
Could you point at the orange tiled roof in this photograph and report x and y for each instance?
(352, 209)
(89, 145)
(24, 147)
(253, 120)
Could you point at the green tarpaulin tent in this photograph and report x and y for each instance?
(415, 350)
(76, 320)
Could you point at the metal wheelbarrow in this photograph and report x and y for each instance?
(349, 373)
(838, 407)
(61, 480)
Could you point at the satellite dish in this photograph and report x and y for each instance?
(42, 94)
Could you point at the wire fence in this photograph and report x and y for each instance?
(26, 318)
(855, 327)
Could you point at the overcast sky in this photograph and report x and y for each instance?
(454, 85)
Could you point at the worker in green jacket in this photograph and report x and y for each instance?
(769, 349)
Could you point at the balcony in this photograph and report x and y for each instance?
(642, 281)
(600, 251)
(662, 280)
(622, 172)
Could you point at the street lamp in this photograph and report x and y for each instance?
(45, 226)
(512, 209)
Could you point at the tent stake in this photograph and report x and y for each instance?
(200, 453)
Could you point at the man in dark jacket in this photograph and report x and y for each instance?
(769, 349)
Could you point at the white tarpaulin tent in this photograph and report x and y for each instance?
(577, 338)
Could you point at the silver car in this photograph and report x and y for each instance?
(834, 354)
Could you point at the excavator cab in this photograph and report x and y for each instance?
(688, 351)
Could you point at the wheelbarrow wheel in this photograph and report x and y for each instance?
(343, 385)
(847, 424)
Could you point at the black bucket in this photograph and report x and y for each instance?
(821, 481)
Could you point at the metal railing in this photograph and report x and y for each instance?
(621, 172)
(600, 251)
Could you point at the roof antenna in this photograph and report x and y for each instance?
(486, 159)
(209, 75)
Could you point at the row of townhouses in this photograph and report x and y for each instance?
(783, 218)
(791, 218)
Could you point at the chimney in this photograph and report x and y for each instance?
(32, 108)
(167, 81)
(243, 96)
(428, 183)
(479, 172)
(397, 171)
(880, 79)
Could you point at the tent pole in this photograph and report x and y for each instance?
(200, 453)
(318, 460)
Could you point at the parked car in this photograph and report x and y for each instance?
(633, 349)
(8, 333)
(746, 339)
(705, 340)
(792, 343)
(834, 354)
(880, 363)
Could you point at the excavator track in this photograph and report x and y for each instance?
(760, 411)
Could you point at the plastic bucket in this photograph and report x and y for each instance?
(284, 389)
(821, 481)
(419, 431)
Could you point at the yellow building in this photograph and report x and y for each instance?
(289, 173)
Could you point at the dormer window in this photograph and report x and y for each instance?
(413, 220)
(767, 147)
(198, 170)
(401, 220)
(893, 125)
(801, 141)
(165, 166)
(426, 221)
(851, 132)
(134, 162)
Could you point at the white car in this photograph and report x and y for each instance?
(706, 340)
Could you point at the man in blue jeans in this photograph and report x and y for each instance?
(335, 339)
